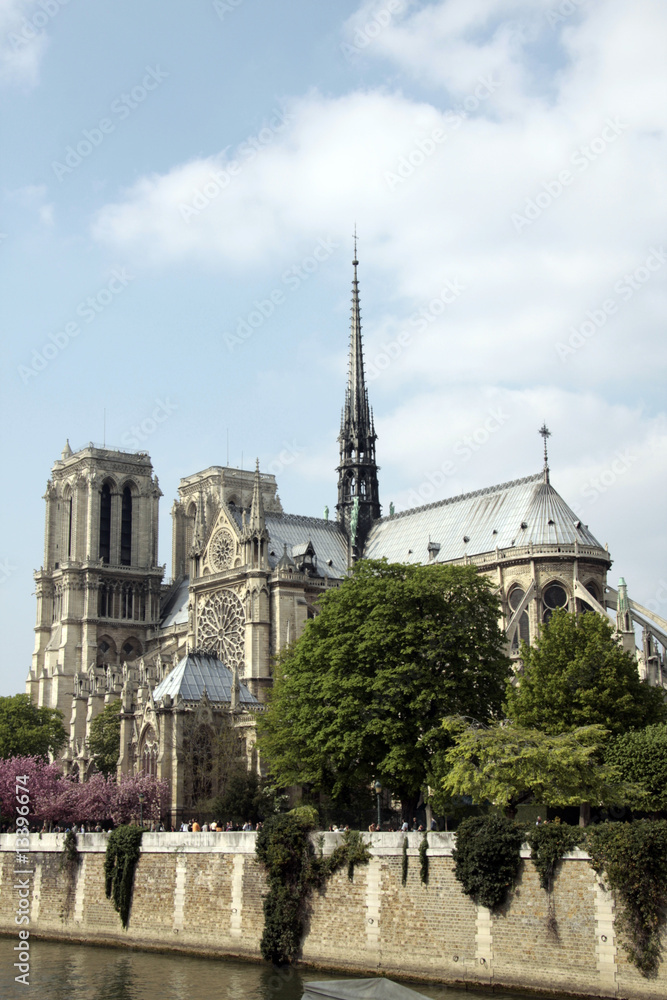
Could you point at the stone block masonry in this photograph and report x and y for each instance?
(202, 893)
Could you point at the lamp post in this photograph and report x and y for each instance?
(141, 809)
(378, 789)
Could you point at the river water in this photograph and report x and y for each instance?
(84, 972)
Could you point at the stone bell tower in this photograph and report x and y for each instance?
(98, 591)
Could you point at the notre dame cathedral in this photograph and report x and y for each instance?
(246, 576)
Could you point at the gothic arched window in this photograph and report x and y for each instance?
(522, 631)
(105, 523)
(553, 597)
(126, 528)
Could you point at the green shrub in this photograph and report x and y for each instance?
(633, 857)
(549, 842)
(293, 870)
(70, 855)
(123, 850)
(423, 860)
(487, 857)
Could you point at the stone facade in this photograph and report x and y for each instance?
(247, 576)
(202, 893)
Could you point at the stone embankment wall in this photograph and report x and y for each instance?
(202, 893)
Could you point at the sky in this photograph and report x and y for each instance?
(179, 188)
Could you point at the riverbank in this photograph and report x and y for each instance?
(202, 894)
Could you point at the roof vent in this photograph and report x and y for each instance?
(329, 562)
(524, 524)
(466, 539)
(433, 548)
(495, 531)
(577, 524)
(551, 521)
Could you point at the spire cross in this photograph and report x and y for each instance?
(546, 433)
(355, 261)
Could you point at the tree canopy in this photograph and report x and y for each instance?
(361, 695)
(104, 738)
(26, 730)
(641, 757)
(509, 765)
(576, 674)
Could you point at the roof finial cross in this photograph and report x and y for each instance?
(546, 433)
(355, 261)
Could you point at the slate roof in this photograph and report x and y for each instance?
(197, 671)
(517, 513)
(175, 611)
(328, 538)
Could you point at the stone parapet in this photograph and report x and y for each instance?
(203, 893)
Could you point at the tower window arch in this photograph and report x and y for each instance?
(126, 528)
(105, 523)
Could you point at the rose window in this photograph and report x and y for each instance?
(221, 627)
(221, 550)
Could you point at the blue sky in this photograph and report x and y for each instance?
(179, 188)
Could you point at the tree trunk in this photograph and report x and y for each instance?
(409, 805)
(584, 814)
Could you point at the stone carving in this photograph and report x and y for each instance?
(221, 550)
(221, 627)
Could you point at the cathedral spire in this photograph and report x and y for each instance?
(199, 534)
(357, 471)
(546, 433)
(257, 519)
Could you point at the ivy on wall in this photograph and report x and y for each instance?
(293, 870)
(123, 850)
(487, 858)
(549, 843)
(423, 860)
(633, 859)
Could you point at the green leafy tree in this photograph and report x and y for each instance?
(509, 765)
(246, 797)
(576, 674)
(362, 693)
(104, 738)
(29, 731)
(641, 757)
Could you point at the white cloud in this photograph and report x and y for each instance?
(33, 197)
(433, 210)
(23, 41)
